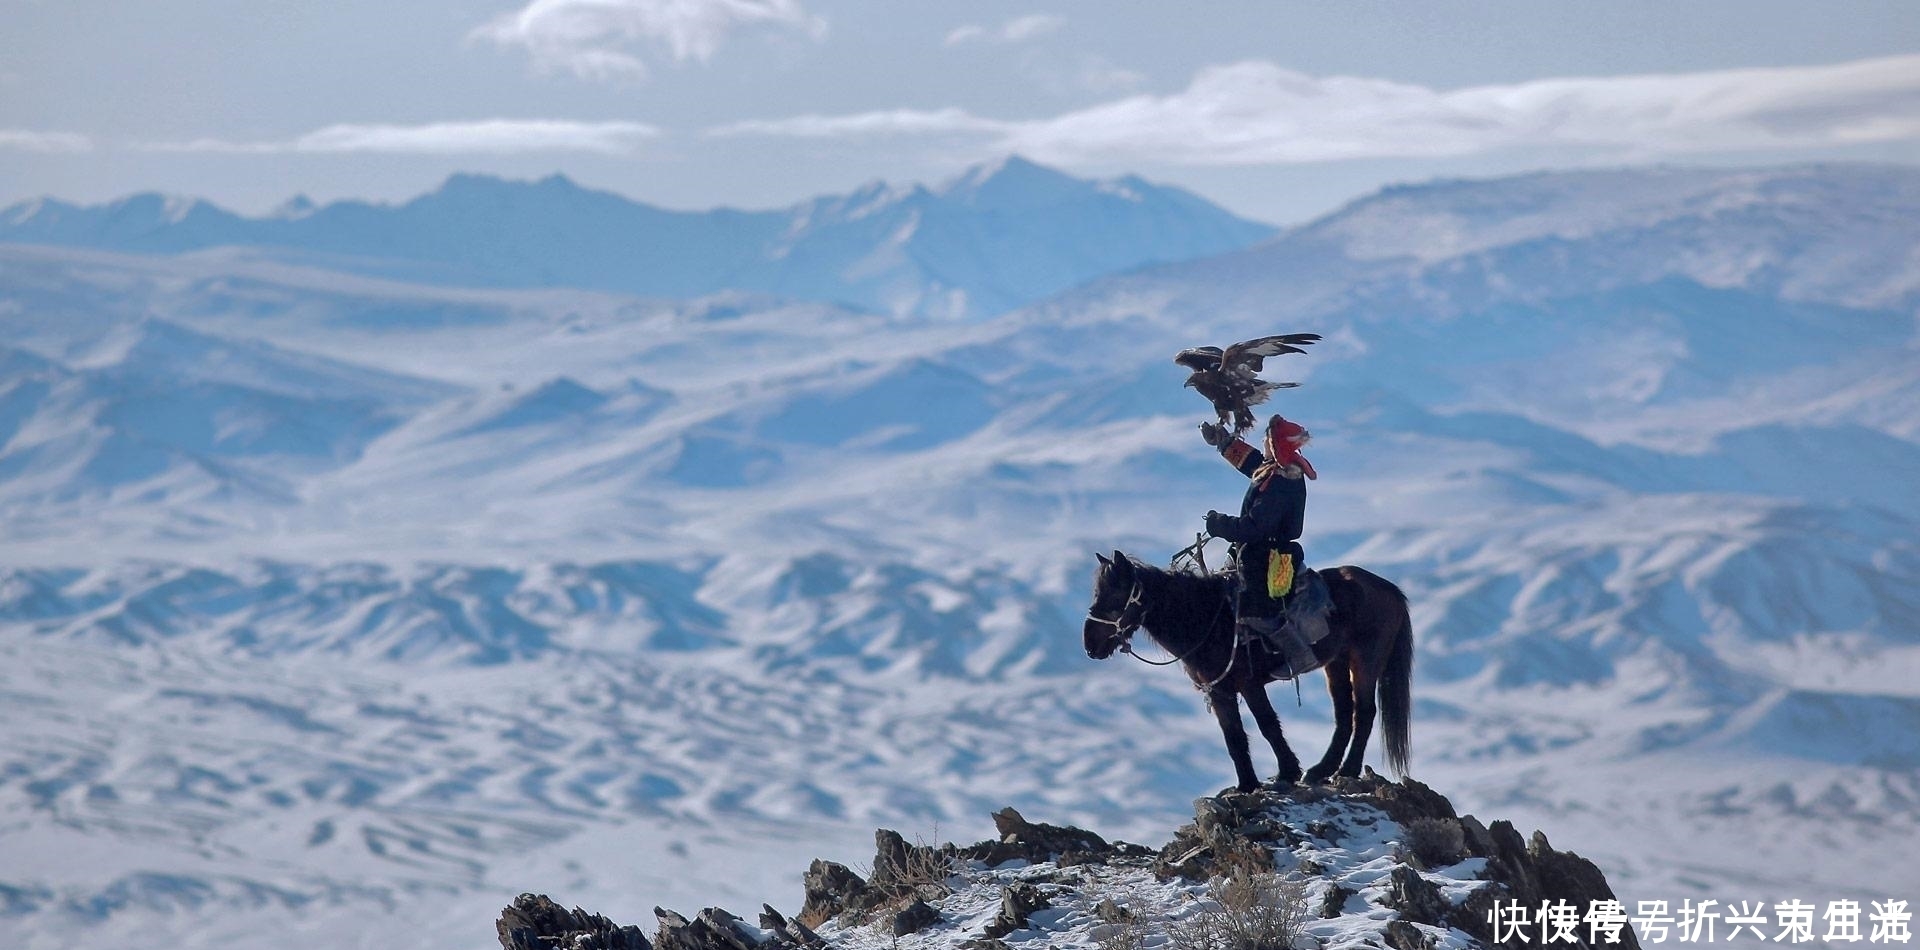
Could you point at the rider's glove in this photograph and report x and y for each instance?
(1218, 524)
(1214, 435)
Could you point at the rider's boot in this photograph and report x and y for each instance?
(1283, 639)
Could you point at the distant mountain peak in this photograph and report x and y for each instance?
(477, 183)
(159, 208)
(28, 210)
(1011, 177)
(295, 208)
(1006, 233)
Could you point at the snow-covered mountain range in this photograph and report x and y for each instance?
(1000, 236)
(326, 592)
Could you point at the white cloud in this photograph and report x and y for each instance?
(26, 140)
(490, 136)
(882, 123)
(1017, 30)
(970, 33)
(597, 39)
(1081, 72)
(1256, 113)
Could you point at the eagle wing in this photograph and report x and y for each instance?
(1248, 356)
(1199, 359)
(1227, 377)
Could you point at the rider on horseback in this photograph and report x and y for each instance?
(1266, 534)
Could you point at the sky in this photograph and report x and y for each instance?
(1279, 111)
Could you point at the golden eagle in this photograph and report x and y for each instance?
(1226, 377)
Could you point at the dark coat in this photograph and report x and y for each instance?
(1271, 512)
(1272, 515)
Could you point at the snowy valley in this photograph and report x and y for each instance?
(345, 600)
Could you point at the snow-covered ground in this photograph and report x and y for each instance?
(348, 608)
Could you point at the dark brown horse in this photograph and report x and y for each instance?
(1369, 646)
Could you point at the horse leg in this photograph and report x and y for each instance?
(1269, 721)
(1363, 710)
(1226, 709)
(1340, 689)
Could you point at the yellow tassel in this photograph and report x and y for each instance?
(1279, 574)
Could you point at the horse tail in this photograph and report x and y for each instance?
(1395, 692)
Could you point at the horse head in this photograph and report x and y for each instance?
(1117, 608)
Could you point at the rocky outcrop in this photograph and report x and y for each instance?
(533, 922)
(1343, 853)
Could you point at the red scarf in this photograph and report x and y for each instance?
(1284, 439)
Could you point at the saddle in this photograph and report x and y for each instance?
(1309, 606)
(1306, 611)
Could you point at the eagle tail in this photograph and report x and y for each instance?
(1264, 388)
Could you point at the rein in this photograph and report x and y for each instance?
(1125, 631)
(1195, 552)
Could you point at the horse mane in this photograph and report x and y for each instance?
(1185, 593)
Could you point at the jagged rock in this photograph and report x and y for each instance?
(1534, 874)
(1415, 898)
(1261, 830)
(1035, 842)
(1009, 822)
(1182, 857)
(1408, 800)
(1216, 819)
(1479, 840)
(902, 870)
(1405, 936)
(712, 929)
(914, 918)
(1325, 832)
(1566, 873)
(1017, 903)
(1472, 916)
(726, 928)
(891, 855)
(831, 890)
(1334, 902)
(1234, 835)
(1229, 833)
(1509, 864)
(534, 922)
(786, 930)
(800, 935)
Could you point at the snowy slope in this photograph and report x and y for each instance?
(325, 594)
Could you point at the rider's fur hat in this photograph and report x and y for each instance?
(1284, 439)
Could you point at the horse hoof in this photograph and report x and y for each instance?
(1318, 776)
(1284, 781)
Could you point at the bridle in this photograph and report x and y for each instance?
(1123, 626)
(1124, 629)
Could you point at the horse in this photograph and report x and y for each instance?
(1369, 646)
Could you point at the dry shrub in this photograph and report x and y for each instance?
(901, 874)
(1436, 842)
(927, 871)
(1128, 934)
(1261, 911)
